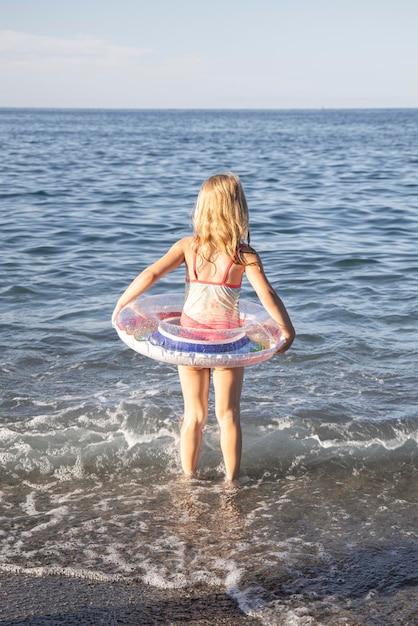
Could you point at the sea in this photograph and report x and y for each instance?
(322, 527)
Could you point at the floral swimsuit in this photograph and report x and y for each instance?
(211, 304)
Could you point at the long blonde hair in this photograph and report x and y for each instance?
(220, 218)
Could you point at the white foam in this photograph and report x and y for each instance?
(112, 555)
(56, 516)
(41, 420)
(283, 423)
(162, 579)
(387, 444)
(70, 572)
(7, 458)
(132, 438)
(69, 472)
(248, 599)
(251, 602)
(8, 435)
(29, 505)
(154, 578)
(234, 576)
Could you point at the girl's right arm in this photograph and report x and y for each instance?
(269, 298)
(150, 275)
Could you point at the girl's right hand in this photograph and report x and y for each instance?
(115, 314)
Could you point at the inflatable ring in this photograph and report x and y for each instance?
(150, 325)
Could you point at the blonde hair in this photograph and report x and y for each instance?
(220, 218)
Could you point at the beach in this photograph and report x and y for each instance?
(52, 600)
(60, 600)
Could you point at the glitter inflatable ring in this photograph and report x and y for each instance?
(150, 325)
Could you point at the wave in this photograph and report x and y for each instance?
(80, 441)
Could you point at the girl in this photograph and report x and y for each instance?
(216, 256)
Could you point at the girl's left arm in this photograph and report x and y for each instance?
(152, 274)
(269, 298)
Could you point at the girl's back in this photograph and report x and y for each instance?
(213, 288)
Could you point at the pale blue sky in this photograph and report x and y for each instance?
(208, 53)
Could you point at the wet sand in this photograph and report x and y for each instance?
(31, 600)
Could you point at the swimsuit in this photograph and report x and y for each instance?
(211, 304)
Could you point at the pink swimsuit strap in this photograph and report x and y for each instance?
(225, 276)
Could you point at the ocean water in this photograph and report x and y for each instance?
(322, 527)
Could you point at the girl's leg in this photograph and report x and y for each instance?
(228, 387)
(195, 387)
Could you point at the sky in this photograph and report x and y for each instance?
(212, 54)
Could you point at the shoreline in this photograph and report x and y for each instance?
(37, 600)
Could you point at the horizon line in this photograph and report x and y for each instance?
(174, 108)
